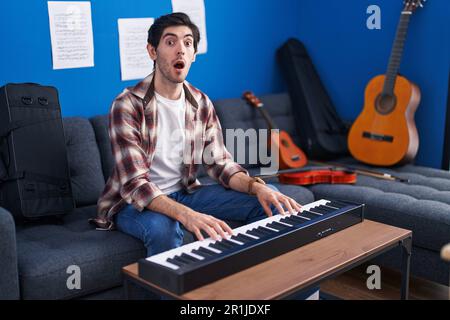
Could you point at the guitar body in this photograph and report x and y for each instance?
(290, 156)
(385, 134)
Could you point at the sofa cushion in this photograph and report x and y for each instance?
(422, 205)
(237, 114)
(45, 251)
(100, 125)
(84, 161)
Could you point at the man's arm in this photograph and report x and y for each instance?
(266, 196)
(192, 220)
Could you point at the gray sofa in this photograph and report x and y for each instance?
(36, 257)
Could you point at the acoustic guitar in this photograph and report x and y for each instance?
(385, 133)
(290, 155)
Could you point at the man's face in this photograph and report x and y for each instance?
(174, 54)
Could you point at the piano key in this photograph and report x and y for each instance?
(326, 208)
(292, 221)
(278, 223)
(243, 238)
(231, 243)
(208, 251)
(182, 260)
(278, 227)
(297, 218)
(175, 262)
(189, 257)
(318, 211)
(309, 215)
(219, 246)
(263, 231)
(196, 256)
(202, 254)
(269, 231)
(336, 204)
(257, 233)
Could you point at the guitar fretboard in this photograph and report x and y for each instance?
(396, 54)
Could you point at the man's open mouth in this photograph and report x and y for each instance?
(179, 65)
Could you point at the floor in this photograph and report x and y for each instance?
(352, 286)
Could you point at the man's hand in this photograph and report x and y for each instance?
(267, 196)
(195, 222)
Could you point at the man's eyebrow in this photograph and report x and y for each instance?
(174, 35)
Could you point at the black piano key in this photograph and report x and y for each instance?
(207, 251)
(309, 215)
(219, 246)
(262, 232)
(337, 204)
(269, 231)
(318, 210)
(188, 257)
(292, 221)
(278, 226)
(326, 208)
(281, 224)
(175, 262)
(230, 243)
(257, 233)
(182, 260)
(297, 218)
(201, 254)
(242, 238)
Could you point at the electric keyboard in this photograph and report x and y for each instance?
(195, 264)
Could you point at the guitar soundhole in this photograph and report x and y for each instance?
(385, 103)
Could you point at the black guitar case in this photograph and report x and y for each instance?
(323, 135)
(34, 171)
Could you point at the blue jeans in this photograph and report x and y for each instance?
(160, 233)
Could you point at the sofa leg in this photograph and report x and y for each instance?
(406, 245)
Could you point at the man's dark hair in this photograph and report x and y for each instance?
(174, 19)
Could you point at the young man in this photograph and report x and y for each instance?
(158, 130)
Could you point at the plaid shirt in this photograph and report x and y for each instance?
(133, 124)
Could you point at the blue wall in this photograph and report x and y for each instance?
(347, 55)
(240, 49)
(242, 38)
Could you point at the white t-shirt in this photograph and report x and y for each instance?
(166, 169)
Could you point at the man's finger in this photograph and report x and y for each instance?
(198, 234)
(288, 205)
(266, 209)
(212, 233)
(277, 204)
(295, 204)
(226, 227)
(218, 228)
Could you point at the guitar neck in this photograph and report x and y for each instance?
(268, 119)
(397, 52)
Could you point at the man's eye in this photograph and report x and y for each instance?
(188, 43)
(170, 42)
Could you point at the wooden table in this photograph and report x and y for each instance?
(299, 269)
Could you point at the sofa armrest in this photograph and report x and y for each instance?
(9, 277)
